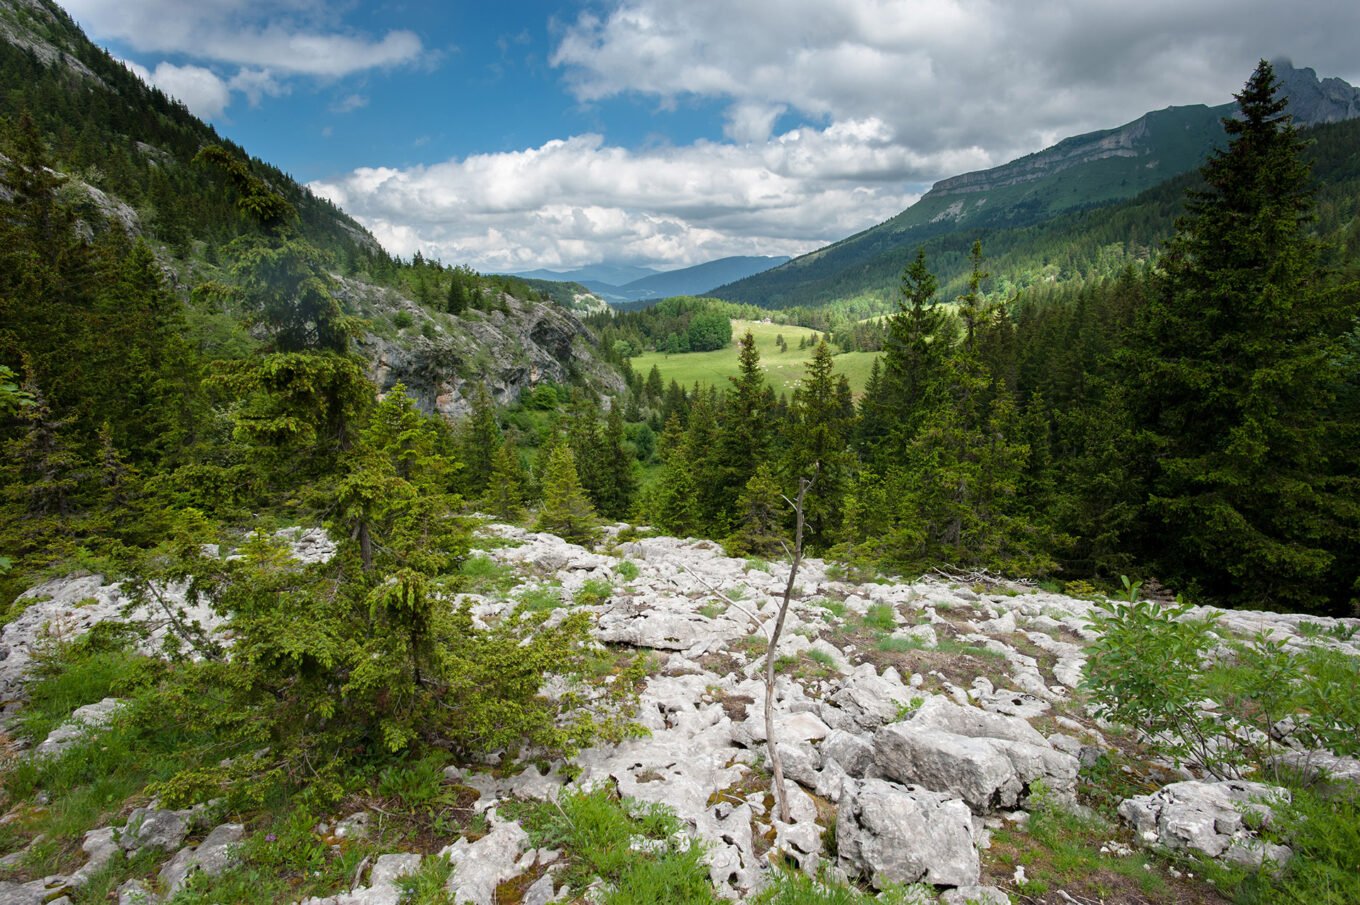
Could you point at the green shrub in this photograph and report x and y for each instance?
(594, 592)
(627, 570)
(599, 834)
(541, 599)
(881, 617)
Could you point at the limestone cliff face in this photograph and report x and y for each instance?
(441, 359)
(1126, 141)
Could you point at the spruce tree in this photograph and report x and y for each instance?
(1233, 378)
(744, 434)
(761, 513)
(618, 483)
(914, 351)
(479, 441)
(566, 510)
(820, 430)
(505, 495)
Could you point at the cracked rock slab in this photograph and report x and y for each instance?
(889, 833)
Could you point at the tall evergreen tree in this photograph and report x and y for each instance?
(566, 510)
(619, 484)
(818, 444)
(744, 434)
(479, 441)
(1233, 378)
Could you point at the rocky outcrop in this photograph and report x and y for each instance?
(880, 835)
(441, 358)
(989, 760)
(1219, 819)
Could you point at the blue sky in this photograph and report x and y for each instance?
(559, 133)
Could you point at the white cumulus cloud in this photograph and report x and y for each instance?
(285, 36)
(580, 200)
(1003, 76)
(202, 91)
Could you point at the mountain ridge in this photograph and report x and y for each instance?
(1081, 171)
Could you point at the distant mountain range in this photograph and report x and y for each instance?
(620, 284)
(1082, 172)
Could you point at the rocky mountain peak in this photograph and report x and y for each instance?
(1313, 100)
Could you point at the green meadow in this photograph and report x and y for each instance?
(782, 369)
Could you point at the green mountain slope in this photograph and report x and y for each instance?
(130, 141)
(1079, 173)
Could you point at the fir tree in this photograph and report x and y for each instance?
(479, 441)
(566, 510)
(619, 485)
(818, 445)
(761, 513)
(744, 438)
(505, 495)
(1233, 383)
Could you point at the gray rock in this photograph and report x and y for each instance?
(154, 828)
(890, 833)
(921, 634)
(854, 753)
(99, 846)
(865, 701)
(1014, 703)
(1334, 774)
(1208, 817)
(989, 760)
(212, 856)
(84, 721)
(937, 712)
(31, 893)
(382, 886)
(479, 867)
(540, 892)
(134, 892)
(355, 826)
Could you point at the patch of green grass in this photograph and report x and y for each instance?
(414, 783)
(627, 570)
(1324, 833)
(713, 609)
(483, 575)
(822, 658)
(834, 607)
(791, 887)
(594, 592)
(1059, 849)
(428, 885)
(891, 645)
(881, 617)
(540, 598)
(94, 667)
(783, 370)
(641, 851)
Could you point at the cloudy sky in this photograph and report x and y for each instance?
(558, 133)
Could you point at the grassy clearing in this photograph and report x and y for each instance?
(783, 370)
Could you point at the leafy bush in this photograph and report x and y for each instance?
(1152, 669)
(1146, 671)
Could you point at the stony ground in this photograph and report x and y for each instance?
(919, 723)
